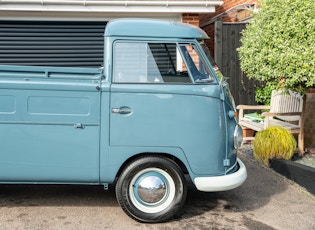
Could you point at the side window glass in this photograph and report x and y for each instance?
(148, 63)
(134, 63)
(196, 64)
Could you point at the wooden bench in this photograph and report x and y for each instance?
(285, 110)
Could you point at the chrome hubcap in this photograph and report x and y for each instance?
(151, 189)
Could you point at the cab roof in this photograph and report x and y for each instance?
(152, 28)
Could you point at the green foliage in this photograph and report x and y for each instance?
(278, 44)
(274, 142)
(263, 94)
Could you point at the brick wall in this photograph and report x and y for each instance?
(228, 4)
(204, 18)
(309, 126)
(199, 19)
(191, 19)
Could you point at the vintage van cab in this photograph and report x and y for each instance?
(156, 110)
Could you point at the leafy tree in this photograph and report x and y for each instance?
(278, 45)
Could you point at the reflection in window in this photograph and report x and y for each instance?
(196, 64)
(211, 60)
(134, 62)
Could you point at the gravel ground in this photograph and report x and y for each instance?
(307, 159)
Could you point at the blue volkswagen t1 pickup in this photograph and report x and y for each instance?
(157, 110)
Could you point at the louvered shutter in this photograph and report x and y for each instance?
(58, 43)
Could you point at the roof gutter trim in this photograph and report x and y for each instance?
(160, 6)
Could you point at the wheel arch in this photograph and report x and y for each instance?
(167, 156)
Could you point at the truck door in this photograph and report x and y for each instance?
(154, 103)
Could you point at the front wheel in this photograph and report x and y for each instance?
(151, 189)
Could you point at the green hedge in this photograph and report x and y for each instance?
(278, 45)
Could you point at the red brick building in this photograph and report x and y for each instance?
(230, 11)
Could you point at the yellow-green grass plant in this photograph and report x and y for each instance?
(273, 142)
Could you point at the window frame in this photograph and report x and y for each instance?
(202, 58)
(179, 54)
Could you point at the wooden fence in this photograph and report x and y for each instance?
(227, 40)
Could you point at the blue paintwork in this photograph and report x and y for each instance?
(56, 124)
(152, 28)
(39, 142)
(169, 116)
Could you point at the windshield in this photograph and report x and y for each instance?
(211, 60)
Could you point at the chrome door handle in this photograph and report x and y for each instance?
(78, 126)
(121, 110)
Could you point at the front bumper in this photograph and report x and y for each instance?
(222, 183)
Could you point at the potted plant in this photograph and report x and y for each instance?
(273, 142)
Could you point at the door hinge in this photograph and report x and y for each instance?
(222, 96)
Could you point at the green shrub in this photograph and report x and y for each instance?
(263, 94)
(274, 142)
(278, 44)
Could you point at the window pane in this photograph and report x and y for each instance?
(134, 63)
(148, 63)
(170, 63)
(211, 60)
(196, 64)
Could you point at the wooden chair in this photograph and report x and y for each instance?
(285, 110)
